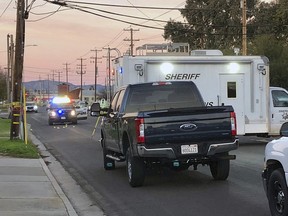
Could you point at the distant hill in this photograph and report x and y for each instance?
(53, 86)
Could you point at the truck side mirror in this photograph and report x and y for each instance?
(95, 109)
(284, 130)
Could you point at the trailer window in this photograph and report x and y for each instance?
(231, 89)
(280, 98)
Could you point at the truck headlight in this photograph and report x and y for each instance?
(73, 113)
(53, 114)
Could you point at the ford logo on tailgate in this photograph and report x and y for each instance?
(188, 127)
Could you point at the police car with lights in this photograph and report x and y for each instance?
(61, 110)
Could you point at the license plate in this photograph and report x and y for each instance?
(63, 117)
(189, 149)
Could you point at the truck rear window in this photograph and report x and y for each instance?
(156, 97)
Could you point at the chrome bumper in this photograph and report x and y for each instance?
(222, 147)
(169, 152)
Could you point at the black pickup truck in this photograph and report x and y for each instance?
(167, 124)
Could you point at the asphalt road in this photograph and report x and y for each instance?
(165, 192)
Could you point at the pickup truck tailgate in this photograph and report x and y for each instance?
(187, 126)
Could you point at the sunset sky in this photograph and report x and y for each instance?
(62, 35)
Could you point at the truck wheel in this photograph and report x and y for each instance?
(277, 193)
(220, 169)
(135, 169)
(109, 164)
(50, 122)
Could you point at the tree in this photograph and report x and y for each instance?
(270, 39)
(3, 85)
(211, 24)
(273, 48)
(217, 24)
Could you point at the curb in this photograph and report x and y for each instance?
(76, 201)
(69, 208)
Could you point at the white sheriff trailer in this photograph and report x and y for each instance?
(240, 81)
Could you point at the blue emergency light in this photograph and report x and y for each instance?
(60, 111)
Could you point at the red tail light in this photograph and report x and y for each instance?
(233, 124)
(139, 123)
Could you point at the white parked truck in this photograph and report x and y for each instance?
(275, 174)
(240, 81)
(81, 110)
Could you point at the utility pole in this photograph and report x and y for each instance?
(8, 67)
(244, 29)
(131, 39)
(59, 72)
(81, 74)
(11, 51)
(18, 70)
(96, 71)
(48, 91)
(66, 69)
(53, 81)
(109, 96)
(40, 83)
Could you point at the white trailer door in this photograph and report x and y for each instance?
(232, 93)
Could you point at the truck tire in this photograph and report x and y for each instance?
(277, 193)
(109, 164)
(135, 169)
(50, 122)
(220, 169)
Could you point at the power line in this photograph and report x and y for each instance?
(164, 13)
(115, 38)
(123, 21)
(124, 15)
(49, 13)
(144, 14)
(114, 5)
(52, 13)
(119, 20)
(6, 8)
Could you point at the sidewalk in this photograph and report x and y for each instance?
(29, 188)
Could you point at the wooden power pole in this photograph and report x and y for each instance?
(18, 71)
(81, 75)
(131, 39)
(244, 28)
(95, 59)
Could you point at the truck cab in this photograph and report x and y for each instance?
(278, 109)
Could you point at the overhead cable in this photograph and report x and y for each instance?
(6, 8)
(123, 21)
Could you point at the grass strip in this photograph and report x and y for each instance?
(17, 147)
